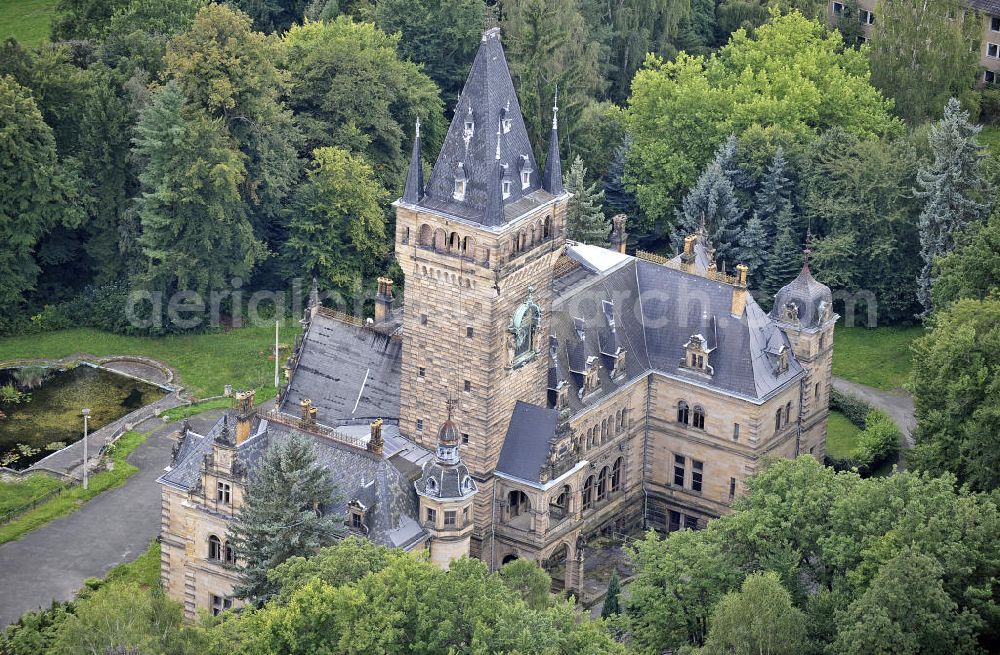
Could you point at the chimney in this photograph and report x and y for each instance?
(308, 415)
(383, 299)
(740, 290)
(687, 257)
(375, 443)
(244, 414)
(618, 235)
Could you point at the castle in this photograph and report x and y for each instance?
(531, 391)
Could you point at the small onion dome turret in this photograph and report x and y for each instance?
(445, 481)
(804, 302)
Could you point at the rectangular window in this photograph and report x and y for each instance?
(431, 515)
(838, 8)
(449, 518)
(866, 17)
(223, 493)
(465, 438)
(679, 470)
(420, 425)
(220, 604)
(468, 385)
(356, 522)
(697, 468)
(423, 319)
(675, 521)
(469, 332)
(421, 371)
(465, 515)
(736, 431)
(690, 522)
(732, 488)
(989, 77)
(995, 23)
(992, 50)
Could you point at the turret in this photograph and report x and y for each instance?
(552, 178)
(414, 190)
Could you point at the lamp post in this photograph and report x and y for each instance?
(86, 415)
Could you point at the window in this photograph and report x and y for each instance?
(469, 126)
(525, 179)
(838, 8)
(465, 515)
(732, 488)
(699, 417)
(356, 521)
(465, 438)
(459, 189)
(989, 77)
(788, 413)
(682, 412)
(421, 371)
(777, 420)
(675, 521)
(995, 23)
(822, 341)
(467, 385)
(616, 476)
(214, 548)
(736, 431)
(469, 332)
(697, 468)
(690, 522)
(420, 425)
(602, 484)
(679, 470)
(817, 392)
(431, 515)
(505, 187)
(230, 554)
(992, 50)
(588, 490)
(223, 493)
(449, 518)
(866, 17)
(423, 319)
(220, 604)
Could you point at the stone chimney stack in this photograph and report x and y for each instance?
(383, 300)
(376, 444)
(618, 236)
(308, 416)
(687, 257)
(244, 414)
(740, 290)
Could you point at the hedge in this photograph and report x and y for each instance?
(879, 439)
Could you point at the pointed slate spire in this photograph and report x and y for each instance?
(493, 214)
(552, 178)
(414, 190)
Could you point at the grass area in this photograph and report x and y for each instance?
(206, 363)
(184, 411)
(878, 357)
(26, 490)
(841, 436)
(73, 498)
(990, 139)
(143, 570)
(26, 20)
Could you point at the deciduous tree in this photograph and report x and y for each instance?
(759, 619)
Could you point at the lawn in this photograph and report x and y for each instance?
(143, 570)
(72, 498)
(26, 20)
(841, 436)
(878, 357)
(206, 363)
(990, 139)
(18, 494)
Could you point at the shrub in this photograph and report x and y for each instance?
(855, 409)
(879, 440)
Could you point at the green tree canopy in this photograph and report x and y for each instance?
(759, 619)
(351, 90)
(585, 221)
(792, 76)
(972, 270)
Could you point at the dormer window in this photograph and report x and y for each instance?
(505, 185)
(506, 125)
(459, 189)
(432, 486)
(696, 354)
(461, 179)
(525, 179)
(619, 363)
(591, 379)
(469, 126)
(782, 364)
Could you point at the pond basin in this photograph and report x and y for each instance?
(52, 415)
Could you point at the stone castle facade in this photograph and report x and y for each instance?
(531, 391)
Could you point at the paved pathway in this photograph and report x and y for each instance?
(116, 526)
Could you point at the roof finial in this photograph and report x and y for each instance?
(490, 22)
(807, 251)
(418, 127)
(555, 109)
(450, 405)
(498, 140)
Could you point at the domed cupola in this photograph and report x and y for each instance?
(446, 476)
(804, 302)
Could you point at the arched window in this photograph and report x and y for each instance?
(588, 492)
(519, 503)
(230, 554)
(788, 413)
(699, 417)
(455, 242)
(602, 484)
(616, 476)
(214, 548)
(432, 485)
(547, 227)
(440, 240)
(682, 412)
(816, 394)
(426, 235)
(469, 247)
(604, 430)
(777, 420)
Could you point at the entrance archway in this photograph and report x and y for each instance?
(555, 566)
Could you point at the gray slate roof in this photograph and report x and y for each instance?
(656, 309)
(806, 293)
(986, 6)
(487, 99)
(350, 373)
(529, 436)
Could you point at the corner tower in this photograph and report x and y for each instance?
(477, 245)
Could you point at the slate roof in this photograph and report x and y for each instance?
(655, 309)
(527, 444)
(488, 99)
(350, 373)
(806, 293)
(987, 6)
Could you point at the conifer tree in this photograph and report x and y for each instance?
(585, 219)
(618, 199)
(611, 598)
(774, 193)
(282, 516)
(953, 188)
(784, 259)
(727, 155)
(712, 200)
(753, 249)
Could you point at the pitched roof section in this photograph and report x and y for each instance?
(529, 436)
(552, 180)
(488, 103)
(414, 190)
